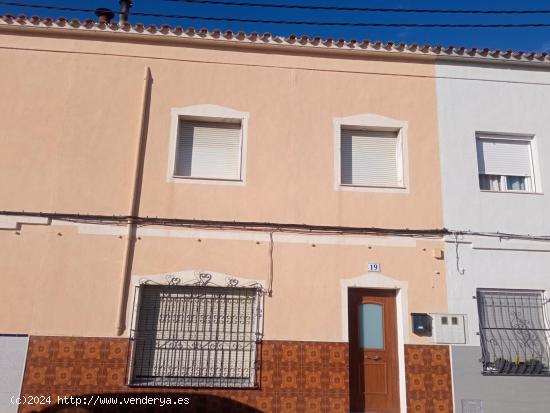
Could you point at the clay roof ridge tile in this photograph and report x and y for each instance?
(365, 43)
(303, 40)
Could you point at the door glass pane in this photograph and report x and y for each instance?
(371, 326)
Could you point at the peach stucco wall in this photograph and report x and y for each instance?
(306, 302)
(57, 281)
(64, 281)
(69, 131)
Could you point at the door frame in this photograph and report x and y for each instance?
(381, 282)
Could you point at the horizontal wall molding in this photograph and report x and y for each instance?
(232, 235)
(15, 222)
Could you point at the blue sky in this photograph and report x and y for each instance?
(527, 39)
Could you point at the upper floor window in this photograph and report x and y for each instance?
(196, 336)
(505, 164)
(371, 158)
(208, 150)
(514, 332)
(207, 145)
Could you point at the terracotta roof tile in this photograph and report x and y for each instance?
(438, 51)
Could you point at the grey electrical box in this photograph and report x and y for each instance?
(449, 328)
(422, 324)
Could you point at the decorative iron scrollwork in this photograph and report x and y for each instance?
(514, 332)
(189, 335)
(203, 279)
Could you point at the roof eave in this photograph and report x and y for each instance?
(293, 44)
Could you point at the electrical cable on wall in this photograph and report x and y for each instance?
(269, 226)
(460, 270)
(271, 246)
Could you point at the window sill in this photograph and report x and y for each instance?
(207, 181)
(166, 384)
(496, 374)
(511, 192)
(364, 188)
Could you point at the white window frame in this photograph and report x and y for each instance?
(372, 122)
(206, 113)
(534, 182)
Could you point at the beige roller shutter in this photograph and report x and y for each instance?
(370, 158)
(209, 150)
(504, 157)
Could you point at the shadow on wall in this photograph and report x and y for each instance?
(165, 403)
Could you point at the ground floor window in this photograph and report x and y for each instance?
(514, 331)
(196, 336)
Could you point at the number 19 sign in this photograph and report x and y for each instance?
(374, 267)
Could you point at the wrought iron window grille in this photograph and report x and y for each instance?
(196, 334)
(514, 332)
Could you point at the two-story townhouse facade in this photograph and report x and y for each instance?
(252, 222)
(495, 156)
(244, 217)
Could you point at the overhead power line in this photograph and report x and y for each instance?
(303, 7)
(346, 24)
(297, 22)
(45, 7)
(367, 9)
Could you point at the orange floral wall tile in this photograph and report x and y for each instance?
(295, 376)
(428, 371)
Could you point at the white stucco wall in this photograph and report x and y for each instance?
(491, 99)
(486, 264)
(513, 100)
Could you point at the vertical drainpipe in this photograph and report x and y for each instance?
(134, 204)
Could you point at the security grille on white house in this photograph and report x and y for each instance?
(370, 158)
(514, 332)
(505, 164)
(209, 150)
(196, 336)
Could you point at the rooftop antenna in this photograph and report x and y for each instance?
(125, 6)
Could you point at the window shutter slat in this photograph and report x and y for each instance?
(209, 150)
(369, 158)
(501, 157)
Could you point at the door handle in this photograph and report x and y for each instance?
(374, 357)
